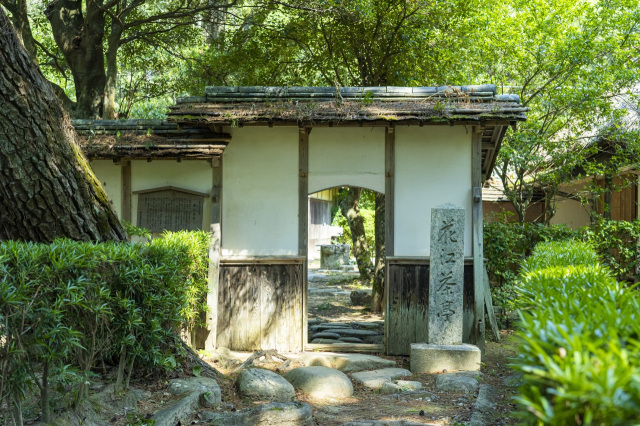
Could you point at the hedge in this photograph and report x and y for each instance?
(68, 306)
(578, 339)
(507, 245)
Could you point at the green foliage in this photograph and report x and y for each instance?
(616, 242)
(565, 59)
(66, 305)
(355, 42)
(369, 216)
(507, 245)
(578, 340)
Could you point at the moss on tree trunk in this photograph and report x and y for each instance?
(47, 189)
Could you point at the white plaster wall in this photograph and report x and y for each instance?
(571, 213)
(110, 175)
(260, 192)
(346, 156)
(194, 175)
(432, 167)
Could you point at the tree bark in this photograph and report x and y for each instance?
(47, 189)
(80, 38)
(112, 72)
(378, 274)
(20, 20)
(350, 208)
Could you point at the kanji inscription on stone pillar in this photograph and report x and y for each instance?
(446, 275)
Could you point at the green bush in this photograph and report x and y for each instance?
(579, 348)
(507, 245)
(67, 305)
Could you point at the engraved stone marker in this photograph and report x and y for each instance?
(446, 275)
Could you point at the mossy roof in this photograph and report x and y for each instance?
(317, 105)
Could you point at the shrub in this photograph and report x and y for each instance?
(65, 306)
(507, 245)
(578, 340)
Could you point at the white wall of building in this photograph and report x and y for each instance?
(260, 192)
(571, 212)
(194, 175)
(346, 156)
(432, 167)
(110, 175)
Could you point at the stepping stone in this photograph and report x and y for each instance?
(314, 321)
(323, 291)
(320, 382)
(346, 362)
(322, 327)
(326, 341)
(456, 382)
(374, 379)
(399, 386)
(367, 325)
(264, 384)
(274, 413)
(334, 324)
(350, 340)
(352, 332)
(376, 340)
(326, 335)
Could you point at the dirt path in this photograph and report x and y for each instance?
(441, 408)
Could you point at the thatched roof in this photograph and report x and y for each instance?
(339, 106)
(151, 139)
(193, 128)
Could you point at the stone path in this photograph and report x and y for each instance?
(325, 325)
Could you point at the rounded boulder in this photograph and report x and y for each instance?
(265, 385)
(320, 382)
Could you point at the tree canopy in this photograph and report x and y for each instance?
(567, 60)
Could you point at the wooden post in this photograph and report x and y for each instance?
(477, 249)
(125, 169)
(303, 220)
(214, 254)
(389, 181)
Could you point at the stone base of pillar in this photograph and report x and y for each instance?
(429, 358)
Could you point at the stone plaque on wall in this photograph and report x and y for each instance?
(170, 209)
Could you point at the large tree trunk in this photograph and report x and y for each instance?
(20, 20)
(350, 208)
(81, 40)
(378, 274)
(47, 189)
(112, 72)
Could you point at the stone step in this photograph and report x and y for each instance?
(367, 325)
(374, 379)
(346, 362)
(352, 332)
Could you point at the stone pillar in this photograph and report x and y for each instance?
(444, 350)
(446, 275)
